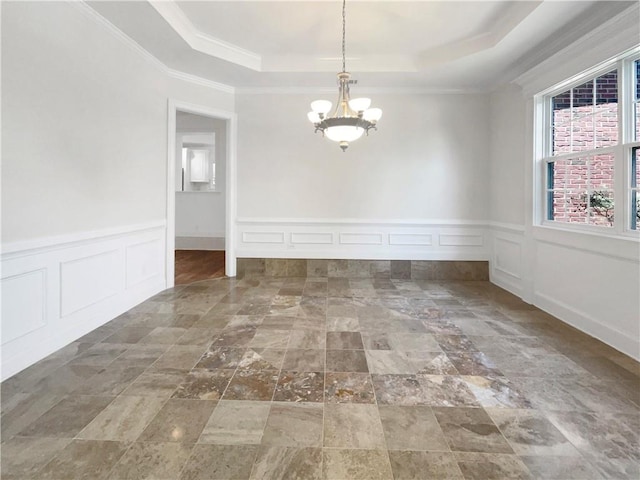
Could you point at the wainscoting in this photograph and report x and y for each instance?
(58, 289)
(507, 261)
(588, 281)
(358, 239)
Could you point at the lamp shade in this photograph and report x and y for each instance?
(321, 107)
(313, 117)
(372, 114)
(344, 133)
(359, 104)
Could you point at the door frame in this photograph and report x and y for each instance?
(230, 193)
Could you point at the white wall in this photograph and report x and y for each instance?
(589, 281)
(84, 180)
(428, 160)
(81, 120)
(507, 199)
(398, 193)
(507, 116)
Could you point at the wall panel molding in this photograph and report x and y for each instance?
(506, 267)
(357, 239)
(263, 237)
(423, 239)
(316, 238)
(143, 261)
(460, 240)
(27, 291)
(54, 293)
(360, 238)
(88, 280)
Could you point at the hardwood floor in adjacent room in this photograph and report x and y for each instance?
(195, 265)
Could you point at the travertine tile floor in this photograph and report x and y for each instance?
(302, 378)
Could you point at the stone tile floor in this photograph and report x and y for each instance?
(302, 378)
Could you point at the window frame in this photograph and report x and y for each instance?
(622, 152)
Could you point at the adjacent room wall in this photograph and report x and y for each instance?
(200, 216)
(84, 153)
(417, 188)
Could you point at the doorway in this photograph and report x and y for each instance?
(201, 191)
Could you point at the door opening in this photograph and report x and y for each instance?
(201, 187)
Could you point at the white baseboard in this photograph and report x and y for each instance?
(54, 293)
(589, 325)
(510, 286)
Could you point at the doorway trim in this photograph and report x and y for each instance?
(230, 193)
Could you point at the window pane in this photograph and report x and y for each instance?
(637, 79)
(606, 127)
(635, 174)
(635, 210)
(558, 209)
(570, 186)
(582, 100)
(637, 121)
(637, 98)
(562, 137)
(558, 172)
(607, 88)
(582, 117)
(576, 206)
(635, 183)
(561, 102)
(601, 172)
(582, 130)
(561, 122)
(606, 110)
(601, 213)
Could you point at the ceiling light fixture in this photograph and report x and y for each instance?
(351, 117)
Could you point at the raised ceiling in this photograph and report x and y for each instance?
(431, 45)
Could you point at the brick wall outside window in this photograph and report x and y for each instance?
(585, 123)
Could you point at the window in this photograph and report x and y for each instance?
(635, 188)
(591, 134)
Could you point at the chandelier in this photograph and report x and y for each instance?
(351, 117)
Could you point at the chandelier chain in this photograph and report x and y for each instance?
(344, 33)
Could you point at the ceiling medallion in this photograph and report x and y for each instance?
(351, 117)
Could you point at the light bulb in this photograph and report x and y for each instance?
(321, 107)
(360, 104)
(372, 114)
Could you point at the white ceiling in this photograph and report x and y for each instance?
(426, 45)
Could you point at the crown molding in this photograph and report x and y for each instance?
(500, 27)
(599, 45)
(91, 14)
(579, 28)
(202, 42)
(361, 90)
(187, 77)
